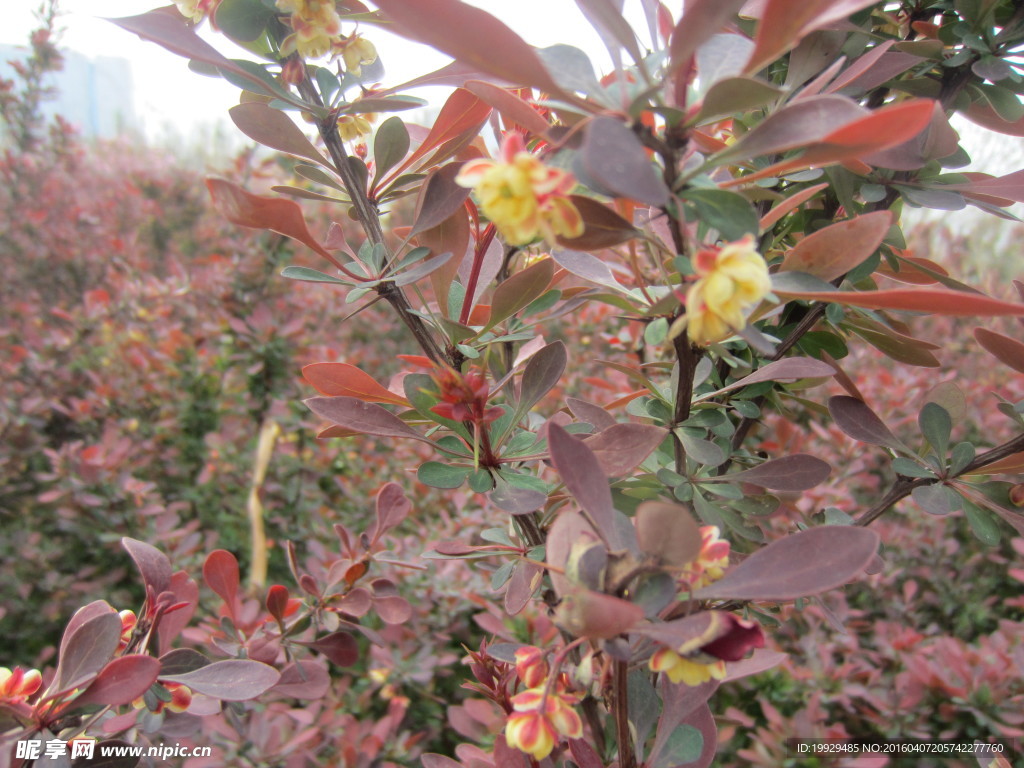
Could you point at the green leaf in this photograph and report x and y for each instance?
(983, 525)
(502, 575)
(936, 426)
(683, 746)
(731, 214)
(308, 275)
(656, 332)
(481, 481)
(962, 455)
(390, 146)
(243, 20)
(438, 475)
(910, 468)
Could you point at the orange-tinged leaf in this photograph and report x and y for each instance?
(787, 205)
(462, 112)
(835, 250)
(982, 113)
(258, 212)
(1006, 350)
(344, 379)
(273, 128)
(911, 271)
(514, 110)
(936, 301)
(1012, 463)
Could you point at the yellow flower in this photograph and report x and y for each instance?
(315, 24)
(711, 561)
(357, 52)
(196, 10)
(522, 196)
(351, 127)
(540, 719)
(682, 670)
(733, 280)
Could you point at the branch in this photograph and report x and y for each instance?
(904, 486)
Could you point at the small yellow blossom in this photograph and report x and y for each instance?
(540, 719)
(351, 127)
(683, 670)
(733, 280)
(196, 10)
(711, 561)
(356, 52)
(522, 196)
(315, 27)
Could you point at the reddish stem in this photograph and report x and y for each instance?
(474, 275)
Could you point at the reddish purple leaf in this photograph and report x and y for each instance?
(454, 548)
(230, 680)
(797, 125)
(798, 472)
(525, 579)
(153, 564)
(121, 681)
(220, 572)
(761, 660)
(393, 609)
(615, 159)
(701, 19)
(590, 413)
(583, 477)
(835, 250)
(86, 652)
(586, 613)
(861, 423)
(1008, 351)
(303, 680)
(439, 198)
(542, 372)
(471, 36)
(182, 660)
(362, 418)
(340, 647)
(82, 615)
(345, 380)
(517, 501)
(431, 760)
(356, 602)
(519, 290)
(939, 301)
(273, 128)
(787, 369)
(588, 267)
(807, 563)
(392, 508)
(570, 529)
(622, 447)
(583, 754)
(185, 590)
(704, 722)
(602, 227)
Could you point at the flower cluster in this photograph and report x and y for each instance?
(464, 397)
(522, 196)
(543, 714)
(18, 684)
(315, 25)
(732, 281)
(711, 561)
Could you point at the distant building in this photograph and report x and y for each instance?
(96, 95)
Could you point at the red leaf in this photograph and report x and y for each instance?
(585, 613)
(937, 301)
(602, 227)
(668, 532)
(787, 369)
(393, 609)
(220, 572)
(525, 579)
(1008, 351)
(471, 36)
(515, 111)
(439, 198)
(185, 590)
(835, 250)
(342, 379)
(700, 20)
(85, 652)
(122, 681)
(303, 680)
(392, 508)
(807, 563)
(787, 205)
